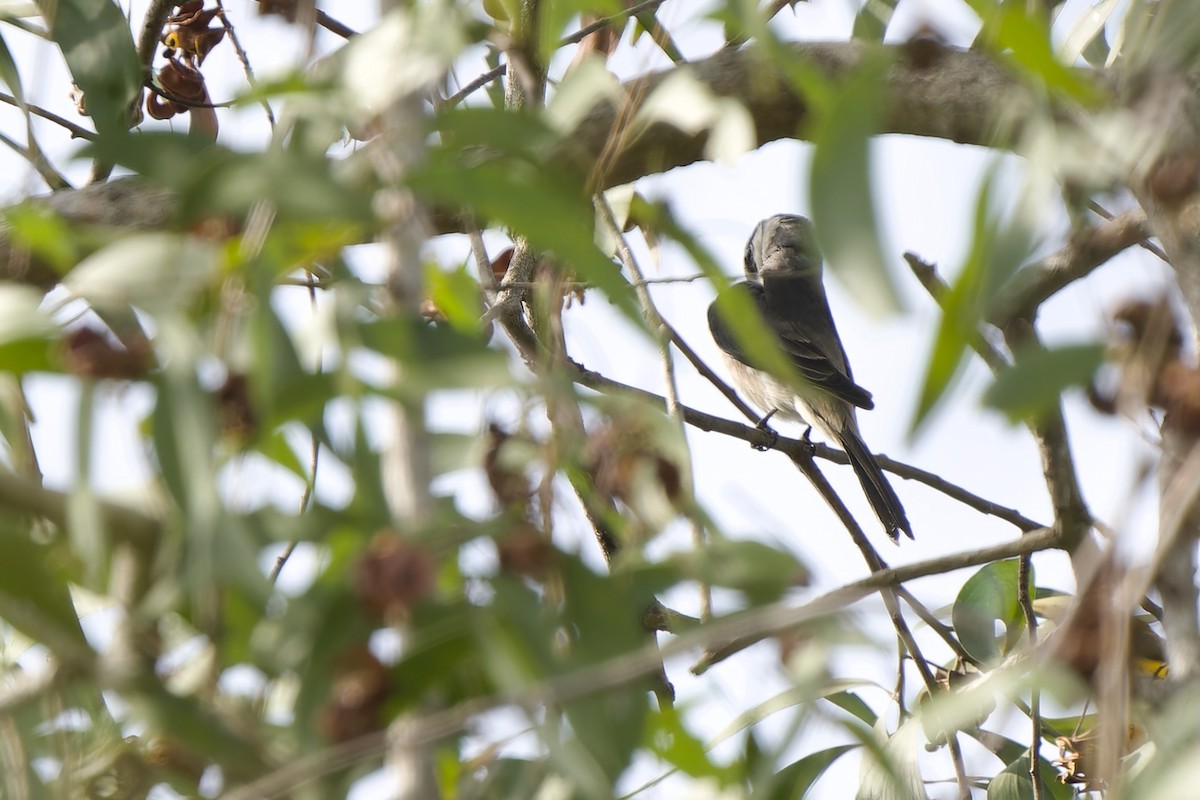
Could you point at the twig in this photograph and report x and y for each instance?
(664, 335)
(499, 71)
(245, 60)
(1145, 244)
(53, 178)
(1035, 695)
(76, 131)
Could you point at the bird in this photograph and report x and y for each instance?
(783, 267)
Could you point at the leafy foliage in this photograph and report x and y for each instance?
(199, 638)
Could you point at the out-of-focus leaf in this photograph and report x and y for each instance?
(988, 596)
(872, 19)
(553, 19)
(408, 50)
(26, 332)
(853, 704)
(587, 85)
(794, 781)
(1032, 386)
(435, 357)
(684, 102)
(455, 293)
(487, 164)
(154, 271)
(840, 195)
(98, 47)
(762, 573)
(211, 179)
(45, 234)
(889, 769)
(666, 735)
(1015, 783)
(997, 250)
(9, 73)
(1023, 35)
(606, 625)
(34, 595)
(1087, 31)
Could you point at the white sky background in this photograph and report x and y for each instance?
(925, 196)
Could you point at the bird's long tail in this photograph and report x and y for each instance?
(875, 484)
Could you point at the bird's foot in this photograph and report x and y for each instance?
(762, 426)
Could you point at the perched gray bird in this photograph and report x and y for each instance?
(783, 271)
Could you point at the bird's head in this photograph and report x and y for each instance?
(783, 244)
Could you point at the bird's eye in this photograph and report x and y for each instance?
(751, 267)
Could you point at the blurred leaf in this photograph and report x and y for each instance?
(554, 16)
(494, 163)
(34, 595)
(1022, 35)
(997, 250)
(27, 333)
(47, 236)
(435, 357)
(795, 780)
(211, 179)
(840, 195)
(872, 20)
(154, 271)
(760, 572)
(98, 47)
(853, 704)
(588, 84)
(666, 735)
(988, 596)
(685, 102)
(1034, 384)
(889, 769)
(1086, 36)
(9, 73)
(456, 294)
(1015, 783)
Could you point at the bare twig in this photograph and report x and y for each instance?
(76, 131)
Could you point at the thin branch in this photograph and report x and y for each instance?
(1036, 283)
(245, 61)
(32, 154)
(76, 131)
(665, 335)
(797, 447)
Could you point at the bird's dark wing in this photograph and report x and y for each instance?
(813, 364)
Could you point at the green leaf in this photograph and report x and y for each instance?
(853, 704)
(667, 737)
(760, 572)
(889, 769)
(10, 74)
(1033, 385)
(455, 292)
(872, 20)
(154, 271)
(98, 47)
(47, 236)
(434, 357)
(794, 781)
(990, 596)
(840, 195)
(34, 594)
(27, 333)
(1014, 781)
(1023, 36)
(554, 16)
(997, 250)
(494, 163)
